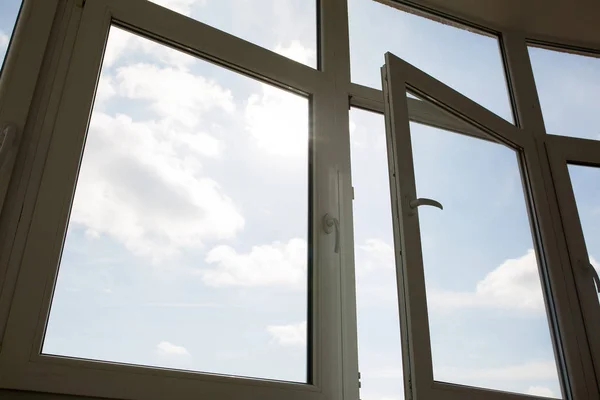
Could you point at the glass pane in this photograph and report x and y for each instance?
(487, 316)
(568, 87)
(187, 242)
(379, 351)
(467, 61)
(9, 11)
(287, 27)
(586, 186)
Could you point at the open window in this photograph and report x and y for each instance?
(473, 267)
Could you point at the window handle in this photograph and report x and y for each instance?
(329, 224)
(595, 276)
(425, 202)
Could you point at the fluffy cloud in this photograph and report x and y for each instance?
(167, 349)
(515, 284)
(540, 391)
(375, 253)
(278, 121)
(297, 52)
(141, 183)
(288, 335)
(123, 45)
(173, 94)
(278, 264)
(141, 180)
(105, 91)
(4, 39)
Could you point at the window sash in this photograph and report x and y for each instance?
(399, 77)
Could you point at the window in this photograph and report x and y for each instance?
(196, 204)
(177, 220)
(287, 27)
(471, 270)
(463, 58)
(379, 351)
(568, 87)
(176, 254)
(9, 10)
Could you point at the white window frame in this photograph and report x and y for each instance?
(19, 77)
(22, 365)
(20, 87)
(20, 70)
(51, 38)
(399, 78)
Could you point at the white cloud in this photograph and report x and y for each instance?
(104, 92)
(167, 349)
(297, 52)
(174, 94)
(540, 391)
(289, 335)
(278, 121)
(376, 253)
(515, 284)
(4, 39)
(278, 264)
(141, 183)
(123, 44)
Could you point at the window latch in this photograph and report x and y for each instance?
(329, 224)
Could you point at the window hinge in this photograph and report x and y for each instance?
(80, 3)
(359, 384)
(353, 199)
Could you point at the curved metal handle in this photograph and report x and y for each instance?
(425, 202)
(329, 223)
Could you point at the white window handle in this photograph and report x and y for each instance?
(425, 202)
(329, 223)
(8, 135)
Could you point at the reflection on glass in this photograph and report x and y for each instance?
(187, 242)
(288, 27)
(487, 317)
(568, 87)
(379, 351)
(9, 11)
(585, 182)
(467, 61)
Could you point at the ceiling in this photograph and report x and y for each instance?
(572, 22)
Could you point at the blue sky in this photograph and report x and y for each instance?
(187, 244)
(8, 15)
